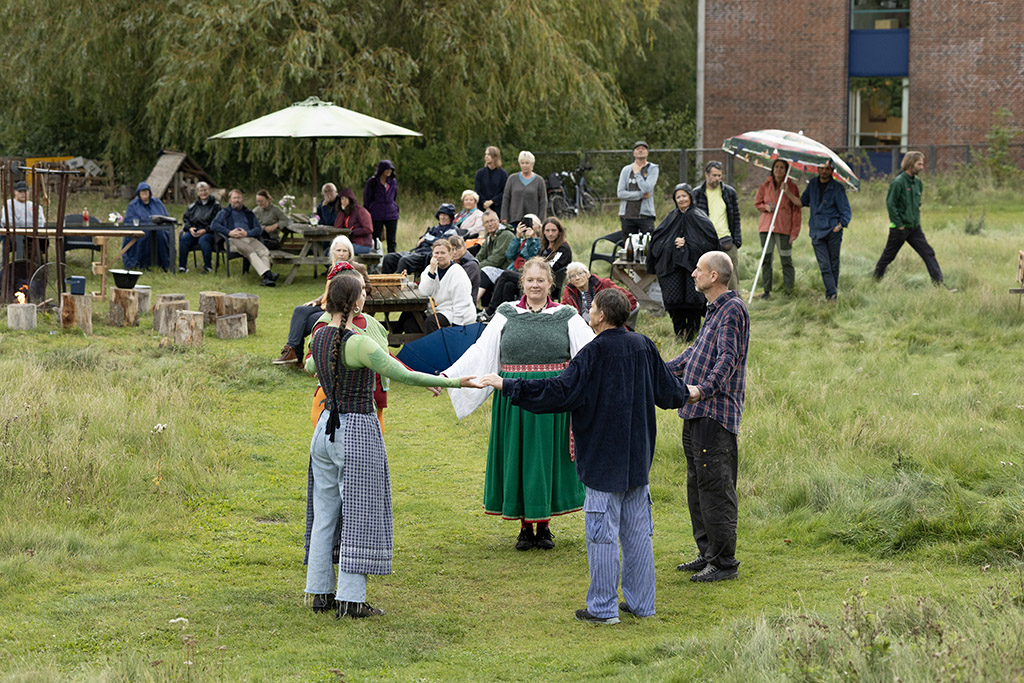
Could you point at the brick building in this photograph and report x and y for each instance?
(859, 72)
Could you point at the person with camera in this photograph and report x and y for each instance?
(524, 246)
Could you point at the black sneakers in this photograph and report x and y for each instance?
(712, 573)
(357, 610)
(625, 608)
(324, 602)
(694, 565)
(544, 540)
(526, 539)
(584, 615)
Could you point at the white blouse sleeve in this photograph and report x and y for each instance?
(579, 334)
(482, 357)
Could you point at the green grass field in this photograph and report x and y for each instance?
(881, 496)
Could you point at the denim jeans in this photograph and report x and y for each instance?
(187, 243)
(328, 460)
(303, 320)
(826, 250)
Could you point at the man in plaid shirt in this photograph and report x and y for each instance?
(714, 369)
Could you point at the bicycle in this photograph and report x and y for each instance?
(584, 200)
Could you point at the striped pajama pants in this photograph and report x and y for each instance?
(615, 519)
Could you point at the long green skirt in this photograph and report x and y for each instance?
(530, 472)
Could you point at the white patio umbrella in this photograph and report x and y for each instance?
(313, 118)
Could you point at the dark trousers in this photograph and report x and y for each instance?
(303, 319)
(826, 250)
(685, 321)
(631, 226)
(711, 460)
(505, 289)
(407, 323)
(412, 262)
(785, 257)
(916, 239)
(187, 243)
(389, 228)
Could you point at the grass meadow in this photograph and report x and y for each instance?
(881, 491)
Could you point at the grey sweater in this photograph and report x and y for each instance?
(519, 200)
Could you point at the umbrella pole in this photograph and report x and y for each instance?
(768, 240)
(312, 159)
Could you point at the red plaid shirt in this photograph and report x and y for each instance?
(716, 363)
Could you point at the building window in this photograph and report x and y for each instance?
(878, 112)
(879, 14)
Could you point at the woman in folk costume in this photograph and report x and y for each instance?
(350, 465)
(530, 474)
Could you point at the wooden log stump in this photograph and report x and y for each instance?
(188, 328)
(145, 298)
(211, 304)
(76, 309)
(124, 307)
(163, 315)
(21, 316)
(232, 326)
(243, 303)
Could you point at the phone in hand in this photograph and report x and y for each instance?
(527, 221)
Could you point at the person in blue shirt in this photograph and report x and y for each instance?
(830, 215)
(239, 226)
(142, 209)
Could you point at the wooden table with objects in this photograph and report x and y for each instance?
(621, 271)
(397, 298)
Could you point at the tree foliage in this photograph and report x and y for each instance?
(120, 80)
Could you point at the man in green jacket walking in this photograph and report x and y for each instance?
(904, 205)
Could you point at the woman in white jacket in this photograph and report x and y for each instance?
(449, 287)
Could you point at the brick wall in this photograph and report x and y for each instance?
(966, 61)
(776, 65)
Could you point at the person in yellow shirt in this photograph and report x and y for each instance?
(720, 202)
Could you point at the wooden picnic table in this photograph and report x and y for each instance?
(388, 299)
(311, 253)
(123, 230)
(621, 271)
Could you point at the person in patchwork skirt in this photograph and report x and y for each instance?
(531, 475)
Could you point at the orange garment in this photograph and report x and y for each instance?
(788, 220)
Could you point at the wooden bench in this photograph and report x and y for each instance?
(371, 260)
(1019, 291)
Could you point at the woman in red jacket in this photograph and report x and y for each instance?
(581, 287)
(357, 219)
(787, 225)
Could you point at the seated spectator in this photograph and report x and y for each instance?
(470, 219)
(305, 317)
(327, 211)
(197, 231)
(272, 219)
(239, 225)
(468, 262)
(497, 237)
(142, 209)
(581, 287)
(448, 285)
(357, 219)
(19, 212)
(553, 249)
(416, 260)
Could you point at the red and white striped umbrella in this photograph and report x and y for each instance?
(763, 147)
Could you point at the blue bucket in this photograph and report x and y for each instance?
(77, 283)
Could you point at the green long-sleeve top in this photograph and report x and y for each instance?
(904, 201)
(492, 253)
(362, 352)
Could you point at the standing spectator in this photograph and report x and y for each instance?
(239, 225)
(497, 237)
(197, 231)
(327, 211)
(636, 190)
(490, 180)
(613, 456)
(720, 202)
(830, 214)
(357, 219)
(683, 237)
(448, 285)
(272, 219)
(19, 212)
(773, 192)
(414, 261)
(469, 263)
(380, 197)
(904, 205)
(470, 219)
(142, 209)
(714, 369)
(525, 192)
